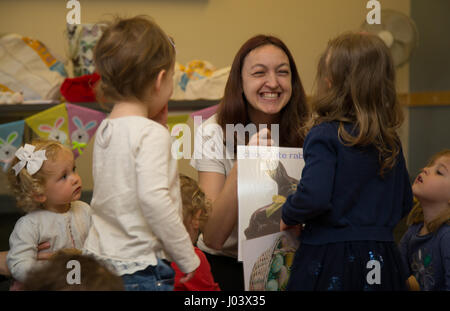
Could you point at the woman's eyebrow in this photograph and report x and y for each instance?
(283, 64)
(258, 65)
(264, 66)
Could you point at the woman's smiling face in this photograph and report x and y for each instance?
(266, 80)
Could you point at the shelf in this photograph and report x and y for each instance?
(19, 111)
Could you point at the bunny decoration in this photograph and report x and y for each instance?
(7, 150)
(54, 131)
(80, 137)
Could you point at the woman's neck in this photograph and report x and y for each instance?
(128, 108)
(259, 118)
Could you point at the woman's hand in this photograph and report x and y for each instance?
(40, 256)
(261, 138)
(3, 266)
(295, 229)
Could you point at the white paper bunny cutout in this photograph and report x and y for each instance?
(7, 150)
(55, 132)
(81, 135)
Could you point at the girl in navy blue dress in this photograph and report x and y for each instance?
(355, 186)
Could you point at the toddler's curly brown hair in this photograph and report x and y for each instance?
(193, 200)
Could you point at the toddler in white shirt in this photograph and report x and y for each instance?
(48, 189)
(137, 222)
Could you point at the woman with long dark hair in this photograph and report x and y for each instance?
(263, 89)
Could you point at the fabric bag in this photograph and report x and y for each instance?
(27, 66)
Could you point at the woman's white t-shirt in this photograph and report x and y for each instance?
(210, 155)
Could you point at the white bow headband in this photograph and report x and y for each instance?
(32, 160)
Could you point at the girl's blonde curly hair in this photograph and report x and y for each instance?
(193, 200)
(24, 186)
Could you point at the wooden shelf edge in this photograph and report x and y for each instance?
(425, 99)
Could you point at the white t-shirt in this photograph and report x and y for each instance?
(62, 230)
(136, 204)
(210, 155)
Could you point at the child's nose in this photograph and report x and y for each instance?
(76, 178)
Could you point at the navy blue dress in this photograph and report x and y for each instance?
(350, 213)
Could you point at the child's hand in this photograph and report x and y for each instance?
(187, 276)
(44, 255)
(412, 284)
(295, 229)
(161, 117)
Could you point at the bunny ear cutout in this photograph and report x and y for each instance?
(59, 122)
(45, 128)
(44, 122)
(12, 137)
(90, 125)
(77, 122)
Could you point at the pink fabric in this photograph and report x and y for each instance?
(83, 122)
(205, 113)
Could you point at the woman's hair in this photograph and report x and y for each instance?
(233, 108)
(416, 214)
(356, 84)
(26, 186)
(193, 200)
(129, 56)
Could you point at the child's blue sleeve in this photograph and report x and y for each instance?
(314, 191)
(403, 247)
(445, 257)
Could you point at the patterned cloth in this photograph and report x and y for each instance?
(428, 257)
(82, 39)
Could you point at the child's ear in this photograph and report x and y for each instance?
(40, 198)
(160, 79)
